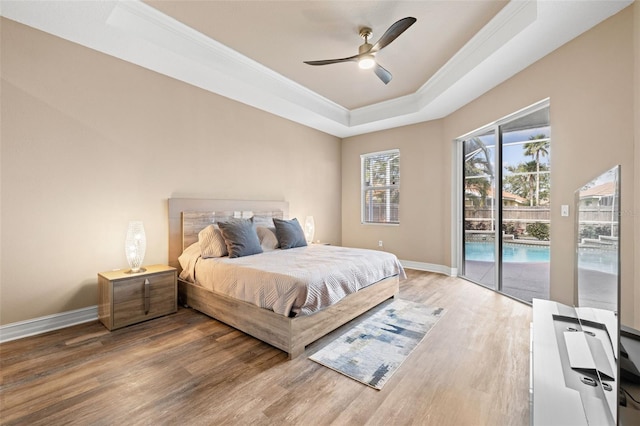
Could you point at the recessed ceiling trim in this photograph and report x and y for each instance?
(512, 19)
(520, 34)
(145, 22)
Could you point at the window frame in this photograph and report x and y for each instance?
(364, 189)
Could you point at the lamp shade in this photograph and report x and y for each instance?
(309, 228)
(135, 246)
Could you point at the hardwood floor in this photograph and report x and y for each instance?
(185, 368)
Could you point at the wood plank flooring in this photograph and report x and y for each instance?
(186, 368)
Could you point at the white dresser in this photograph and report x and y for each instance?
(562, 395)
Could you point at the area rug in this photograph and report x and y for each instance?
(371, 351)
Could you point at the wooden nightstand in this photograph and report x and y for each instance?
(125, 298)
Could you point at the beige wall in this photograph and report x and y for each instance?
(424, 181)
(636, 210)
(589, 81)
(90, 142)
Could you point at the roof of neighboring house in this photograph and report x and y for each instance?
(606, 189)
(505, 195)
(513, 197)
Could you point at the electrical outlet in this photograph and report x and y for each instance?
(380, 243)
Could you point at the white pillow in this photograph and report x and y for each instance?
(211, 242)
(188, 260)
(267, 237)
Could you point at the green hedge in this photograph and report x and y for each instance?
(539, 230)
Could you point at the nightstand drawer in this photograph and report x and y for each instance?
(143, 298)
(126, 299)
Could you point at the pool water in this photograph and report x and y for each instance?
(483, 251)
(594, 259)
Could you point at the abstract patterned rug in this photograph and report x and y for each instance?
(371, 351)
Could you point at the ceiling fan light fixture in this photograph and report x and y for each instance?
(367, 62)
(366, 51)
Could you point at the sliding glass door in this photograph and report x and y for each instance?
(506, 210)
(480, 212)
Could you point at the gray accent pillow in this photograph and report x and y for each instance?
(240, 237)
(289, 233)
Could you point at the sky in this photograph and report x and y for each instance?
(512, 155)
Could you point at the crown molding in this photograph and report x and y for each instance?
(227, 72)
(512, 19)
(520, 34)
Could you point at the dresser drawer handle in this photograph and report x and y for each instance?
(147, 296)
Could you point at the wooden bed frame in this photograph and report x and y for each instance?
(288, 334)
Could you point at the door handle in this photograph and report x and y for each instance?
(147, 296)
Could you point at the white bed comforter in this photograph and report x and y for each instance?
(292, 282)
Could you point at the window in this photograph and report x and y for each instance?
(380, 186)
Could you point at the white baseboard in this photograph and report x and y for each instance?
(18, 330)
(429, 267)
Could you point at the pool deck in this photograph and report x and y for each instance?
(528, 280)
(522, 280)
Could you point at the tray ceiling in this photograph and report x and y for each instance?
(253, 52)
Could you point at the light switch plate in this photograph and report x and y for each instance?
(564, 210)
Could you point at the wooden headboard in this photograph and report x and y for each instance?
(188, 216)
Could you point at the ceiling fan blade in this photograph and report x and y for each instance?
(332, 61)
(392, 33)
(382, 73)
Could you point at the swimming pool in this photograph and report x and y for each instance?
(590, 258)
(483, 251)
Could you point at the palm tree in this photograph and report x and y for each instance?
(521, 180)
(478, 164)
(539, 147)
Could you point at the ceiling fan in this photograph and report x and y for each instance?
(366, 52)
